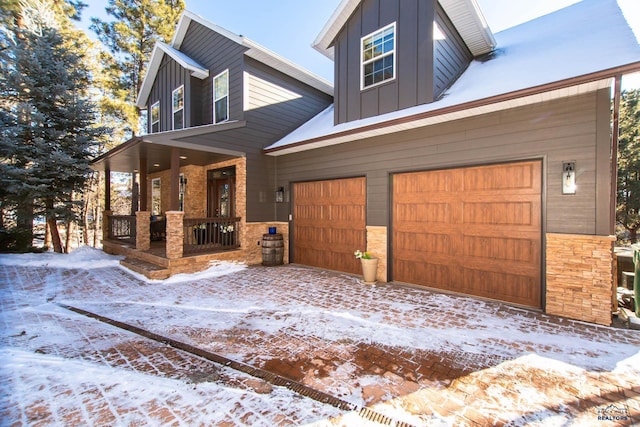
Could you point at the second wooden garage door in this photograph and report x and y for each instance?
(329, 223)
(475, 230)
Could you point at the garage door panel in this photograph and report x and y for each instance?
(500, 248)
(329, 223)
(481, 237)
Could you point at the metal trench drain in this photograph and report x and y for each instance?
(277, 380)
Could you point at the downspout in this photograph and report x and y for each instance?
(614, 152)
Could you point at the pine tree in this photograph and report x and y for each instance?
(628, 203)
(131, 37)
(47, 123)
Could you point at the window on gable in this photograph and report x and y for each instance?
(378, 56)
(178, 108)
(221, 97)
(155, 117)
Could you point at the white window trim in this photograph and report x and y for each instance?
(173, 111)
(214, 97)
(157, 103)
(393, 52)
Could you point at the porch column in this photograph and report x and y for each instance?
(143, 184)
(175, 234)
(105, 224)
(174, 198)
(107, 189)
(143, 230)
(135, 195)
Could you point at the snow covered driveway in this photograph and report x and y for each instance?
(418, 357)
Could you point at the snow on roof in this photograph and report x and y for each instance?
(534, 61)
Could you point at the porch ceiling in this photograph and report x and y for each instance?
(156, 149)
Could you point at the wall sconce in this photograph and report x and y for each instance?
(569, 177)
(182, 184)
(280, 195)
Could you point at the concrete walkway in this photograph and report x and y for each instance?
(413, 357)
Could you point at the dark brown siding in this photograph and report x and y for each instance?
(556, 131)
(413, 84)
(451, 56)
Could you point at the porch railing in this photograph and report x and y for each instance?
(210, 234)
(122, 228)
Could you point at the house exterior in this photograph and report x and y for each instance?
(214, 101)
(464, 161)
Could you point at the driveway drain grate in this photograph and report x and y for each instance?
(267, 376)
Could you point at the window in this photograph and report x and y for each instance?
(182, 183)
(378, 56)
(156, 207)
(155, 117)
(221, 97)
(178, 108)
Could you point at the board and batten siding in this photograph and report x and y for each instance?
(171, 75)
(451, 55)
(413, 84)
(216, 53)
(573, 128)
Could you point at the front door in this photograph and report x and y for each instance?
(221, 193)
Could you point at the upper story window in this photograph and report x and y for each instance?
(378, 56)
(155, 117)
(221, 97)
(178, 108)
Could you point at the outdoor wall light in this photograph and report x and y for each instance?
(569, 177)
(280, 195)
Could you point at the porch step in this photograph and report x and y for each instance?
(148, 269)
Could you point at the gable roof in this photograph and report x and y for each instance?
(464, 14)
(254, 50)
(159, 50)
(575, 50)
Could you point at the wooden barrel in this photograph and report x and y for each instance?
(272, 249)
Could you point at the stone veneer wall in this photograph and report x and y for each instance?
(252, 243)
(579, 277)
(377, 245)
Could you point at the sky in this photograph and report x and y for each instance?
(289, 27)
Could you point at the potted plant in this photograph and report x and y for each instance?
(369, 266)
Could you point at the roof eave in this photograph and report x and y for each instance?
(465, 15)
(451, 113)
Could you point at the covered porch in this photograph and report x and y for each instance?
(184, 206)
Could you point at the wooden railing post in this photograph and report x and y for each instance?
(175, 234)
(143, 230)
(105, 224)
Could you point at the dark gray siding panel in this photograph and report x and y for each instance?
(554, 131)
(216, 53)
(451, 55)
(170, 76)
(413, 84)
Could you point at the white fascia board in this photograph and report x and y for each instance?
(468, 19)
(273, 60)
(159, 50)
(465, 15)
(255, 51)
(324, 41)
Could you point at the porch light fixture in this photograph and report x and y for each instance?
(183, 157)
(156, 165)
(280, 195)
(569, 177)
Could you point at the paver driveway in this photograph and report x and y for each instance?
(412, 356)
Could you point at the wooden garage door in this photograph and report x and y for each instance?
(475, 230)
(329, 223)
